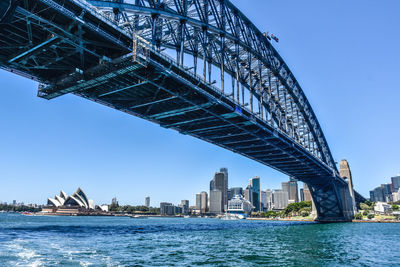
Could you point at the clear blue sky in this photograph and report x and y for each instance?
(345, 55)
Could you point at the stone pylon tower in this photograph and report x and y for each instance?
(345, 173)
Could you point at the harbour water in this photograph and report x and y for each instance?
(122, 241)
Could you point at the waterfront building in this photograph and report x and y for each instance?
(266, 199)
(395, 183)
(381, 193)
(204, 202)
(216, 202)
(238, 204)
(256, 193)
(167, 208)
(292, 189)
(229, 194)
(147, 202)
(114, 201)
(198, 202)
(78, 199)
(281, 199)
(396, 196)
(382, 207)
(185, 206)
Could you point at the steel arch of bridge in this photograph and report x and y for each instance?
(219, 34)
(117, 54)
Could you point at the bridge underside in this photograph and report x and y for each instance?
(98, 63)
(154, 88)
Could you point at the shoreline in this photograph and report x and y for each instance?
(310, 220)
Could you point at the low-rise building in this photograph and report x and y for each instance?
(238, 204)
(382, 207)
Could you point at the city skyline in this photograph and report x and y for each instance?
(40, 141)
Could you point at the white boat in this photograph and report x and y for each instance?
(232, 217)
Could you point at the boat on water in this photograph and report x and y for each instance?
(186, 216)
(232, 217)
(139, 217)
(27, 213)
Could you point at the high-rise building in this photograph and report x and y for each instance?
(185, 206)
(379, 194)
(307, 193)
(256, 193)
(301, 194)
(219, 183)
(248, 193)
(198, 201)
(225, 188)
(293, 191)
(216, 201)
(266, 199)
(204, 202)
(281, 199)
(396, 183)
(167, 208)
(147, 202)
(114, 201)
(387, 192)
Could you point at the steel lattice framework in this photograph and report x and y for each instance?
(225, 83)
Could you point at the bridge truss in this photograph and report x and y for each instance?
(225, 83)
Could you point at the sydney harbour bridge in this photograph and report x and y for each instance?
(200, 67)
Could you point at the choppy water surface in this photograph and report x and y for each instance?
(116, 241)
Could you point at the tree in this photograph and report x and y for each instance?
(395, 207)
(370, 216)
(358, 216)
(365, 213)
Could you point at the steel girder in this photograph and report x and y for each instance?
(217, 33)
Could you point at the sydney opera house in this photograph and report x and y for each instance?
(75, 203)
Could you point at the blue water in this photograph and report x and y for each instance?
(119, 241)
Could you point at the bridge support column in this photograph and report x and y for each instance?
(332, 199)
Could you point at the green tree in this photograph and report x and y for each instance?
(370, 216)
(395, 207)
(365, 213)
(358, 216)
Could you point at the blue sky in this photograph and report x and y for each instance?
(345, 54)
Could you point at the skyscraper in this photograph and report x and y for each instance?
(147, 202)
(396, 183)
(218, 183)
(204, 202)
(293, 191)
(387, 192)
(256, 193)
(216, 201)
(185, 206)
(198, 201)
(225, 188)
